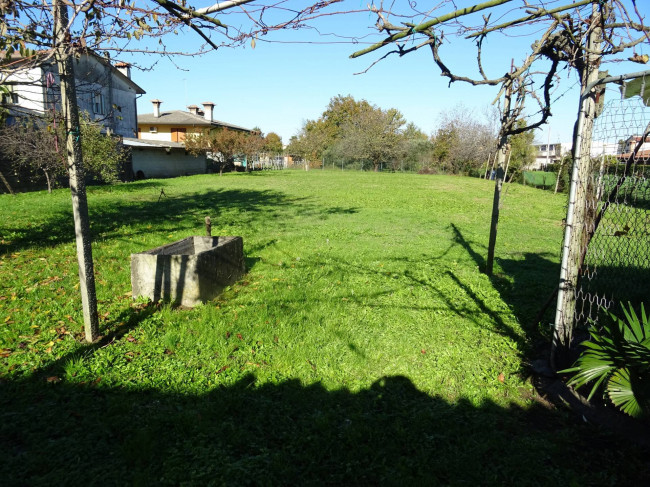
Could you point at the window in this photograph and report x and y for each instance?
(153, 130)
(9, 98)
(98, 103)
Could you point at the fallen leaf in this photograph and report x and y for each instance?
(502, 377)
(222, 369)
(239, 336)
(53, 379)
(423, 351)
(5, 352)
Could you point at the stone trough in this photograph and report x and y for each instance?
(188, 272)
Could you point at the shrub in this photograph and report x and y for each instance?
(618, 357)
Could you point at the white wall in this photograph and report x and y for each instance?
(28, 88)
(157, 163)
(92, 77)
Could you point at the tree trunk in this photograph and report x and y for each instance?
(500, 160)
(578, 199)
(75, 168)
(6, 183)
(49, 183)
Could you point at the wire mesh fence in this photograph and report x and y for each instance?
(614, 260)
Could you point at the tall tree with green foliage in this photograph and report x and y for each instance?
(273, 144)
(373, 135)
(416, 150)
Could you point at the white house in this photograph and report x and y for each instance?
(105, 91)
(552, 153)
(159, 150)
(163, 159)
(549, 154)
(174, 125)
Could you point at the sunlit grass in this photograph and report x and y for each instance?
(352, 278)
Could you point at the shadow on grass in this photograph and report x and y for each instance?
(109, 219)
(291, 434)
(525, 284)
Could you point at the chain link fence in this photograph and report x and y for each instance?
(614, 258)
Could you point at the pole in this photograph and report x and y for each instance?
(548, 146)
(487, 165)
(74, 161)
(559, 174)
(498, 183)
(578, 194)
(505, 173)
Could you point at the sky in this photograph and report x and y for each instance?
(290, 76)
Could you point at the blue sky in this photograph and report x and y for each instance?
(278, 85)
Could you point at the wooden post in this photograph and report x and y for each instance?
(498, 183)
(74, 161)
(559, 174)
(6, 183)
(208, 226)
(578, 195)
(487, 165)
(509, 153)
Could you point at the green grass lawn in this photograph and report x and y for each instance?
(364, 345)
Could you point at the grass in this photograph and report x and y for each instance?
(363, 346)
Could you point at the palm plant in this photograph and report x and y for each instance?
(618, 357)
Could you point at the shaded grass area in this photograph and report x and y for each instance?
(289, 433)
(364, 344)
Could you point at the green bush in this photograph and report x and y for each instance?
(618, 357)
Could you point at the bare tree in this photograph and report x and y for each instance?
(32, 149)
(462, 143)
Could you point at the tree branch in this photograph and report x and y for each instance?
(540, 13)
(427, 25)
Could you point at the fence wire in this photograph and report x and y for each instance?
(615, 258)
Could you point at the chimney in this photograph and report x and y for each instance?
(124, 68)
(156, 108)
(194, 110)
(209, 107)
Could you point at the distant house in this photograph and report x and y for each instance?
(552, 153)
(159, 150)
(174, 125)
(549, 154)
(642, 155)
(105, 91)
(163, 159)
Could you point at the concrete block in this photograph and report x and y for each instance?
(188, 272)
